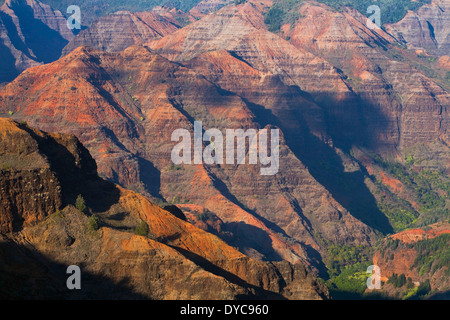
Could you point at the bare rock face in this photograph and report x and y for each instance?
(389, 122)
(120, 30)
(327, 81)
(130, 112)
(206, 7)
(428, 28)
(175, 260)
(32, 186)
(177, 16)
(25, 25)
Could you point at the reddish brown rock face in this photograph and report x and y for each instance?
(328, 82)
(401, 260)
(208, 6)
(126, 119)
(175, 260)
(120, 30)
(415, 113)
(32, 186)
(428, 28)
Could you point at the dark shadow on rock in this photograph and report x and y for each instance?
(317, 261)
(150, 176)
(176, 212)
(440, 296)
(248, 236)
(45, 43)
(26, 274)
(322, 161)
(8, 71)
(254, 291)
(76, 177)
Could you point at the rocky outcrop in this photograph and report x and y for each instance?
(175, 15)
(174, 261)
(206, 7)
(428, 28)
(120, 30)
(329, 86)
(402, 106)
(126, 118)
(25, 25)
(32, 186)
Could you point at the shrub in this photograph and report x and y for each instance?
(94, 223)
(397, 280)
(142, 229)
(80, 204)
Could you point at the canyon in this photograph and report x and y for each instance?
(363, 116)
(176, 260)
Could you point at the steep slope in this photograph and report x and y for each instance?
(95, 9)
(428, 28)
(120, 30)
(126, 119)
(24, 26)
(403, 106)
(241, 29)
(418, 254)
(208, 6)
(175, 261)
(339, 91)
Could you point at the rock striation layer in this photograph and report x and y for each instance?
(175, 260)
(428, 28)
(120, 30)
(31, 33)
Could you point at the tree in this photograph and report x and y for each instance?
(80, 204)
(94, 223)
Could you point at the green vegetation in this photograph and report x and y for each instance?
(430, 189)
(282, 12)
(391, 10)
(274, 19)
(418, 292)
(5, 166)
(340, 257)
(397, 281)
(285, 11)
(93, 223)
(80, 204)
(142, 229)
(351, 282)
(432, 255)
(206, 215)
(347, 268)
(400, 213)
(92, 9)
